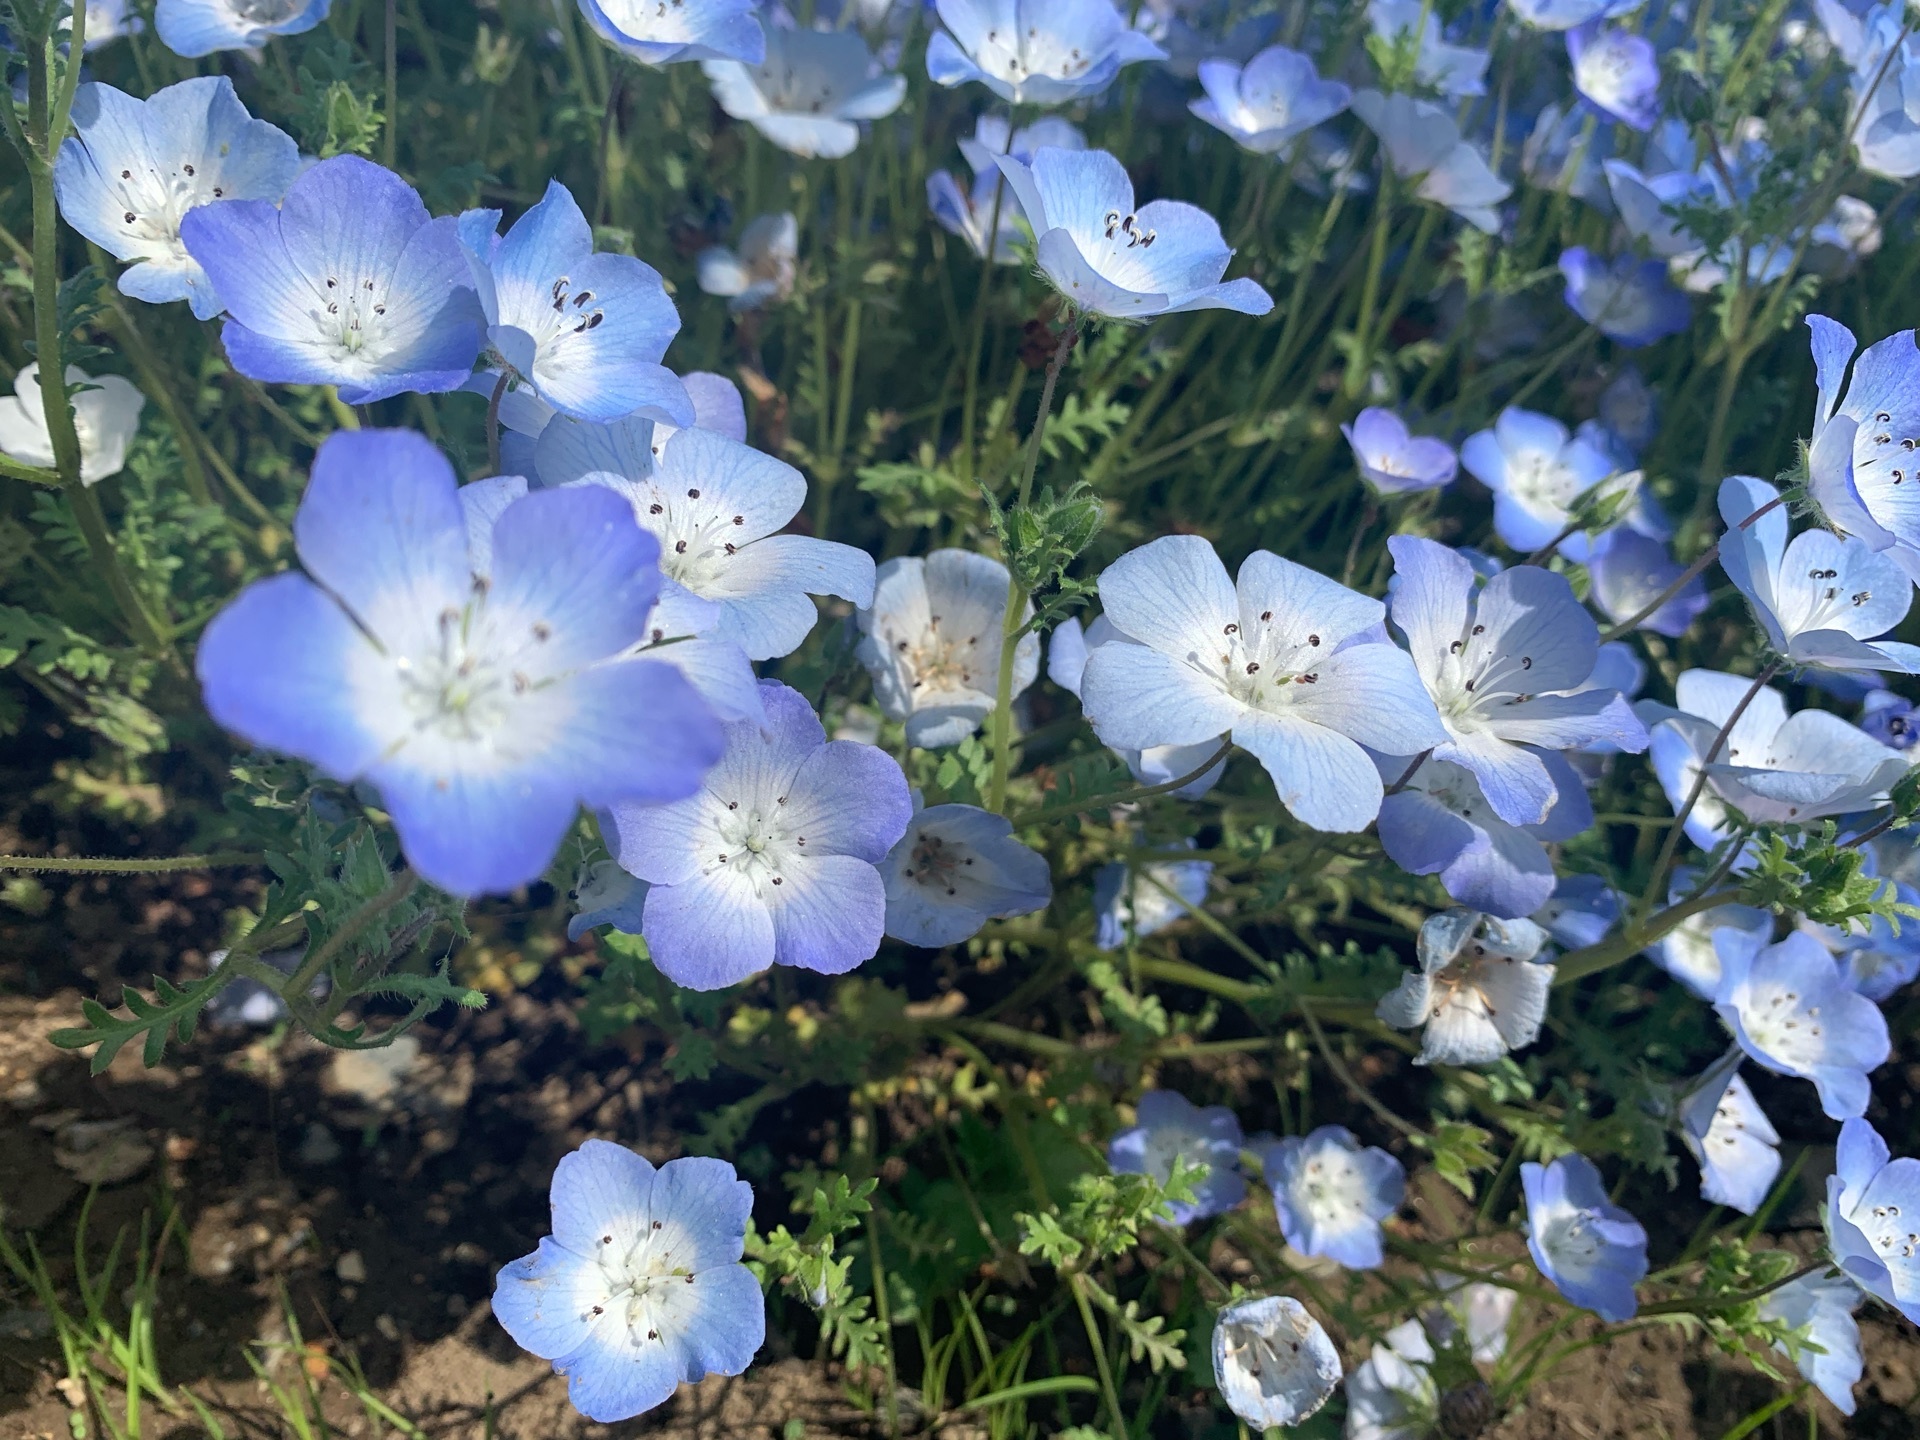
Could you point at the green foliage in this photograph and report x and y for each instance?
(1105, 1216)
(1809, 872)
(810, 1267)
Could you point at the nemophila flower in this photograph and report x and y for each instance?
(1441, 823)
(1422, 141)
(1873, 1218)
(607, 895)
(106, 417)
(640, 1287)
(1394, 461)
(1129, 905)
(1885, 64)
(1331, 1193)
(585, 332)
(1629, 410)
(1391, 1395)
(1724, 1128)
(1791, 1009)
(1889, 718)
(1821, 598)
(1876, 961)
(1690, 952)
(1035, 52)
(1538, 472)
(809, 92)
(956, 868)
(1564, 152)
(1774, 768)
(484, 695)
(1589, 1249)
(931, 643)
(377, 307)
(1566, 14)
(775, 861)
(1269, 101)
(1273, 1362)
(1291, 664)
(1820, 1309)
(762, 271)
(1498, 665)
(1483, 1310)
(1629, 571)
(1863, 465)
(1170, 1127)
(663, 32)
(200, 27)
(1584, 908)
(1617, 72)
(1479, 990)
(1107, 258)
(107, 21)
(563, 450)
(1067, 652)
(1629, 301)
(970, 213)
(132, 168)
(717, 506)
(1453, 70)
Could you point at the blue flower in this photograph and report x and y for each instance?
(774, 861)
(969, 213)
(1584, 908)
(134, 167)
(1617, 72)
(1067, 651)
(762, 271)
(1440, 823)
(1629, 411)
(347, 283)
(584, 331)
(640, 1287)
(481, 692)
(1270, 100)
(1331, 1193)
(809, 91)
(1035, 52)
(1273, 1361)
(657, 34)
(1171, 1127)
(1453, 70)
(1395, 462)
(1590, 1250)
(1728, 1133)
(1566, 14)
(1537, 472)
(1819, 1308)
(1861, 453)
(1889, 719)
(1290, 663)
(1791, 1009)
(931, 643)
(1690, 952)
(1421, 140)
(956, 868)
(1630, 570)
(1821, 598)
(608, 895)
(1480, 992)
(1107, 258)
(1873, 1218)
(200, 27)
(1499, 666)
(1629, 301)
(1877, 47)
(1126, 906)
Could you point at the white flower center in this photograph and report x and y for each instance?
(1573, 1243)
(944, 662)
(1540, 482)
(1885, 1232)
(1329, 1188)
(461, 693)
(935, 864)
(1779, 1023)
(1166, 1145)
(634, 1278)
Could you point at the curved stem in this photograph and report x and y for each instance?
(350, 929)
(493, 421)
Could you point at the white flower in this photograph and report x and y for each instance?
(956, 868)
(1270, 100)
(1479, 991)
(1453, 70)
(1272, 1361)
(1391, 1396)
(762, 271)
(1067, 652)
(809, 92)
(1728, 1133)
(106, 415)
(1422, 140)
(931, 642)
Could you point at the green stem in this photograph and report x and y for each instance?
(1107, 1389)
(1362, 354)
(1590, 959)
(103, 865)
(350, 929)
(389, 142)
(1123, 797)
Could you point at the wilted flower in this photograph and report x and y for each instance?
(1629, 301)
(1288, 663)
(1394, 461)
(809, 91)
(106, 417)
(1479, 990)
(1272, 1361)
(1591, 1250)
(1171, 1127)
(1035, 52)
(762, 271)
(640, 1287)
(1331, 1194)
(1107, 258)
(200, 27)
(931, 642)
(1422, 141)
(1873, 1218)
(1538, 472)
(660, 34)
(956, 868)
(774, 861)
(1617, 72)
(132, 168)
(1270, 100)
(1129, 905)
(1792, 1010)
(1728, 1133)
